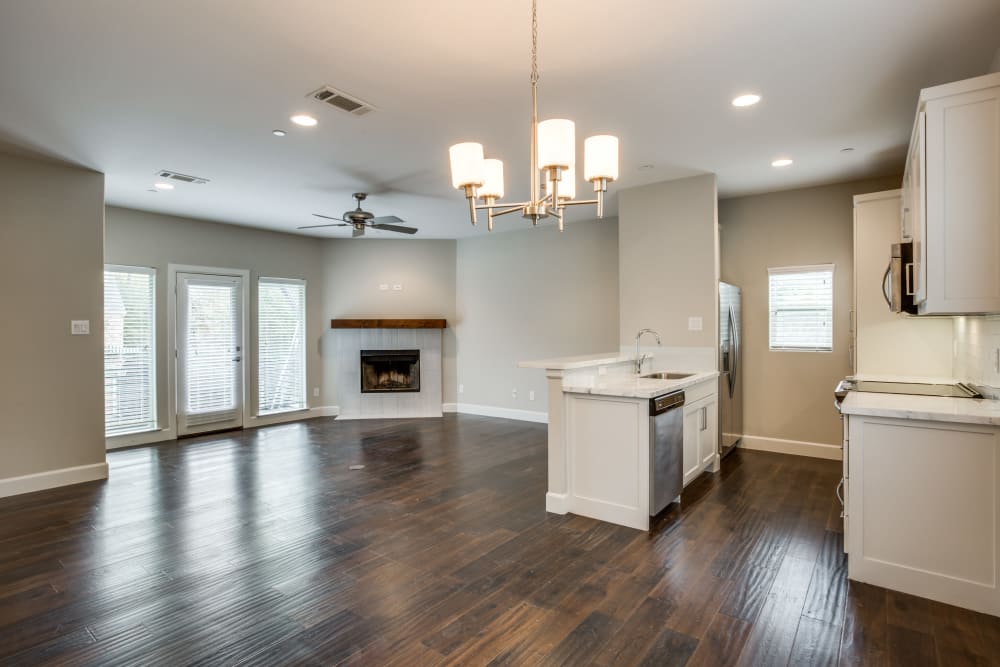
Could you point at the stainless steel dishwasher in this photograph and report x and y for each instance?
(666, 450)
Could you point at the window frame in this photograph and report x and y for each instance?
(804, 268)
(154, 422)
(274, 280)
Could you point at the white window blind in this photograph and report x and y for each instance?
(129, 350)
(281, 357)
(800, 300)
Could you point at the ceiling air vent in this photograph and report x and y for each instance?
(183, 178)
(338, 99)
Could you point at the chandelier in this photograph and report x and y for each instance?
(553, 155)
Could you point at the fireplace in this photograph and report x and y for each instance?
(390, 371)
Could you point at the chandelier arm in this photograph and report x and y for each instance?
(512, 209)
(578, 202)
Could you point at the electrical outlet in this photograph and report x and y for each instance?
(513, 393)
(461, 388)
(384, 287)
(531, 395)
(315, 391)
(79, 327)
(695, 324)
(397, 288)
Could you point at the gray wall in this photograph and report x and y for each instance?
(667, 253)
(788, 395)
(353, 269)
(138, 238)
(533, 294)
(51, 264)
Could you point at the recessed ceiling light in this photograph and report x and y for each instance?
(846, 150)
(304, 120)
(747, 100)
(278, 133)
(163, 186)
(645, 167)
(783, 162)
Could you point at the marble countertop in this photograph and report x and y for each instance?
(630, 386)
(579, 361)
(930, 408)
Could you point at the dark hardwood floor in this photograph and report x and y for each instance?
(264, 548)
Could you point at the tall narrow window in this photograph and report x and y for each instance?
(801, 308)
(281, 323)
(129, 350)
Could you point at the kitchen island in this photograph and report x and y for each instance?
(599, 434)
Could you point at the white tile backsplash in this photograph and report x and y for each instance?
(977, 341)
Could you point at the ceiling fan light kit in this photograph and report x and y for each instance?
(553, 155)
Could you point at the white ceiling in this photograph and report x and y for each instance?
(128, 88)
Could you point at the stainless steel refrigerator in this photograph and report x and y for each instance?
(730, 367)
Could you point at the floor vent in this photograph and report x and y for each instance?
(183, 178)
(338, 99)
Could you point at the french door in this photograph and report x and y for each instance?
(210, 351)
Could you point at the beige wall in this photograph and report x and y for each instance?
(353, 269)
(977, 341)
(667, 256)
(52, 397)
(788, 395)
(533, 294)
(138, 238)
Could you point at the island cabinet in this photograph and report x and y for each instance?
(701, 433)
(922, 510)
(951, 202)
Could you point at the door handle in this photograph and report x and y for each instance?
(885, 285)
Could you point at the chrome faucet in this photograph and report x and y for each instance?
(640, 359)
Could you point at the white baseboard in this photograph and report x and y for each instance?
(144, 438)
(797, 447)
(449, 407)
(50, 479)
(503, 413)
(294, 416)
(415, 415)
(556, 503)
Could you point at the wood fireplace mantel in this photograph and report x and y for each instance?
(426, 323)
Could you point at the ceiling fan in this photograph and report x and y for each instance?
(360, 219)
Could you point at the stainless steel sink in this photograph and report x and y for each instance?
(668, 375)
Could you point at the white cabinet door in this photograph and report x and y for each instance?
(959, 257)
(708, 440)
(915, 211)
(692, 439)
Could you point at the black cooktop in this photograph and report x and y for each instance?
(959, 390)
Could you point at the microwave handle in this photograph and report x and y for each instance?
(885, 285)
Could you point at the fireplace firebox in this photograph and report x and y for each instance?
(389, 371)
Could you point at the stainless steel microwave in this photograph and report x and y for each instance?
(897, 281)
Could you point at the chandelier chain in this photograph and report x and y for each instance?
(534, 41)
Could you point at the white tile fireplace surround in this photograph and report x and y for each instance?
(349, 342)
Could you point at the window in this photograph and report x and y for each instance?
(800, 300)
(129, 350)
(281, 323)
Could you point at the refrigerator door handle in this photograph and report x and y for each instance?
(734, 351)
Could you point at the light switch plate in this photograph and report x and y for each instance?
(79, 327)
(397, 288)
(384, 287)
(695, 324)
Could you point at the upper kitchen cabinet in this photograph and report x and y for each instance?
(951, 198)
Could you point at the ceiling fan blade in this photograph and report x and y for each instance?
(395, 228)
(330, 224)
(382, 219)
(358, 231)
(328, 217)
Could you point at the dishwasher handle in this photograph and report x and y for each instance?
(661, 404)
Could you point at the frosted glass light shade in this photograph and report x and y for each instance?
(556, 143)
(600, 157)
(492, 179)
(567, 185)
(466, 164)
